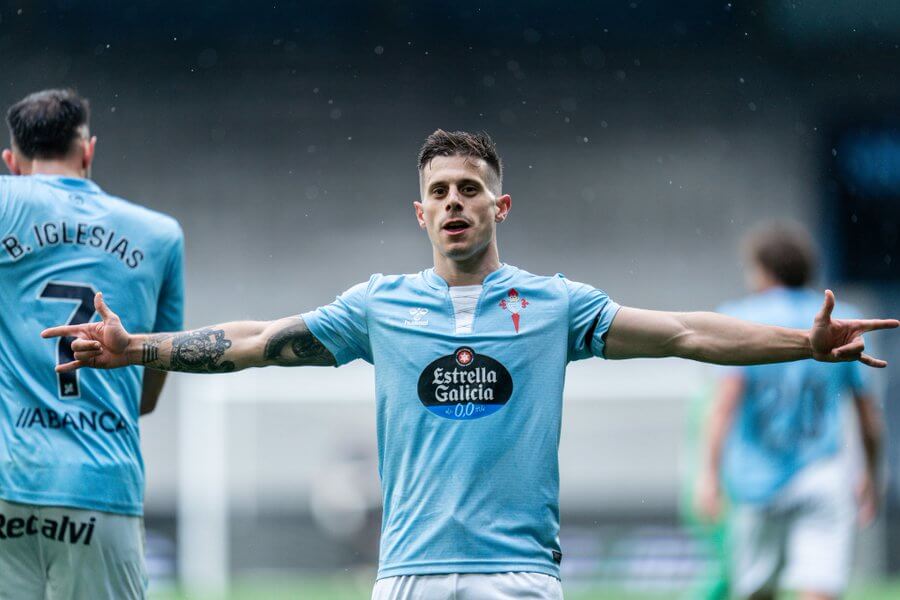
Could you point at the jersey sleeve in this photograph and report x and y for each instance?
(591, 312)
(341, 326)
(170, 306)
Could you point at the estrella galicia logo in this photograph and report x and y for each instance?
(465, 385)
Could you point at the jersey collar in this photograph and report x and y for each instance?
(71, 183)
(502, 274)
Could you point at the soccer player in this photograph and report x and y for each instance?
(71, 473)
(470, 357)
(776, 438)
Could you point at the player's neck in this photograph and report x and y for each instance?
(55, 167)
(470, 271)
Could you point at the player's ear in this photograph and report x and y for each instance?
(504, 203)
(87, 156)
(10, 159)
(420, 213)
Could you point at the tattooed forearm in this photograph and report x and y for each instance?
(295, 345)
(198, 351)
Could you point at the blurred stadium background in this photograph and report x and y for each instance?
(641, 139)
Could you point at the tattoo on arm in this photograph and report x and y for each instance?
(150, 348)
(198, 351)
(304, 348)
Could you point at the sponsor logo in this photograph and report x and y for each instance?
(66, 530)
(514, 305)
(465, 385)
(417, 315)
(45, 418)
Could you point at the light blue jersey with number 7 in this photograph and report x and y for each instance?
(72, 439)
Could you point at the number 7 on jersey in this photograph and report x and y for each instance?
(83, 296)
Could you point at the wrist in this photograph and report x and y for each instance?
(134, 351)
(806, 343)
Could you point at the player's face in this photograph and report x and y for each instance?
(458, 209)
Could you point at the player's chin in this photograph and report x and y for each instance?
(458, 250)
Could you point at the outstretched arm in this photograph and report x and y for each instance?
(216, 349)
(714, 338)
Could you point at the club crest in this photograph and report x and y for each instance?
(514, 304)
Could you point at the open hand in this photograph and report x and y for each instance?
(839, 340)
(100, 345)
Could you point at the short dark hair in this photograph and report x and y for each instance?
(785, 251)
(44, 124)
(462, 143)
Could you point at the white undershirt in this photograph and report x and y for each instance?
(465, 298)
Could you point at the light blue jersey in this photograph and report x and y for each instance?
(468, 424)
(790, 413)
(72, 439)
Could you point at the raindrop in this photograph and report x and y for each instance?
(335, 113)
(379, 50)
(488, 81)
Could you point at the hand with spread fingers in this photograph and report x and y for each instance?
(100, 345)
(840, 340)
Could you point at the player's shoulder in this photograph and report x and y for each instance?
(11, 185)
(573, 287)
(155, 222)
(388, 283)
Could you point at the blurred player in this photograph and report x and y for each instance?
(776, 435)
(71, 473)
(470, 358)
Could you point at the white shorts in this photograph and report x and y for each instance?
(59, 553)
(802, 540)
(469, 586)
